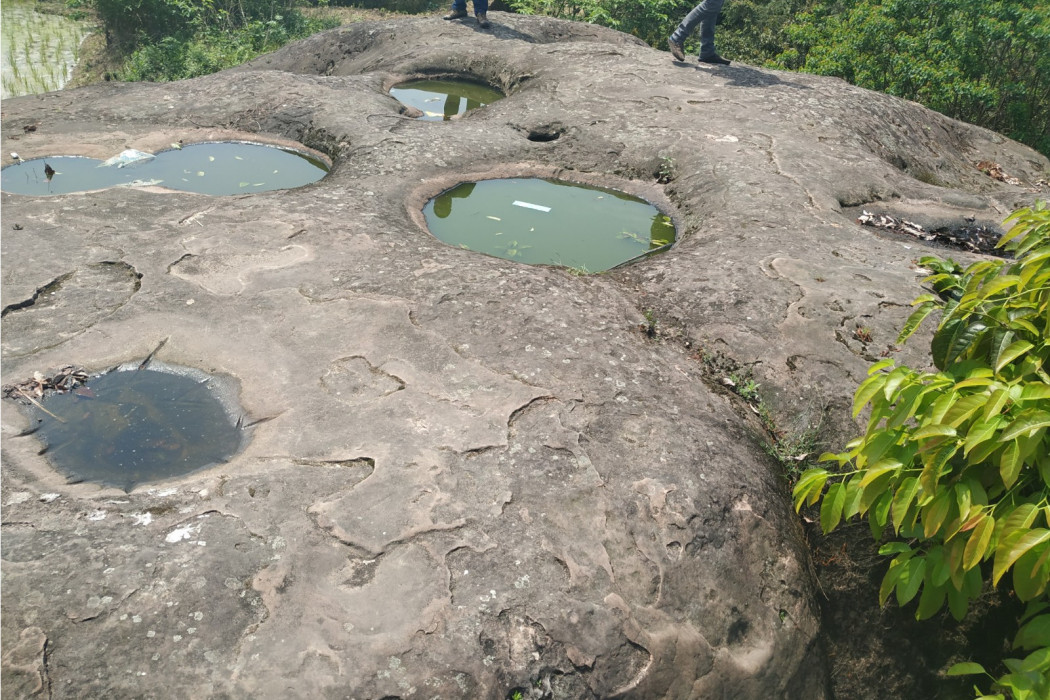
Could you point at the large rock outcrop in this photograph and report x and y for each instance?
(479, 477)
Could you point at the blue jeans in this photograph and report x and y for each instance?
(481, 7)
(706, 15)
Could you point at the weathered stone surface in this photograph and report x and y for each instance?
(478, 476)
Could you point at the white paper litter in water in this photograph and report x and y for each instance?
(127, 157)
(527, 205)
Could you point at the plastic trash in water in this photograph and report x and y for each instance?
(127, 157)
(527, 205)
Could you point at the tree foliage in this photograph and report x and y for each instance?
(956, 463)
(137, 22)
(173, 39)
(986, 63)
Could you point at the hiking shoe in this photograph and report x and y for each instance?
(483, 21)
(676, 49)
(456, 14)
(714, 58)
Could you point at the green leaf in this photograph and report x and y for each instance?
(1029, 574)
(1011, 353)
(1011, 548)
(937, 430)
(999, 284)
(977, 545)
(925, 307)
(875, 447)
(1035, 391)
(894, 548)
(995, 403)
(938, 568)
(934, 515)
(957, 603)
(902, 500)
(893, 380)
(1010, 464)
(879, 469)
(881, 365)
(867, 389)
(1038, 660)
(1034, 633)
(931, 600)
(889, 581)
(954, 339)
(809, 487)
(910, 579)
(831, 508)
(966, 668)
(980, 433)
(1027, 421)
(879, 514)
(964, 408)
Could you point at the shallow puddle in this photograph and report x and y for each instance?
(440, 100)
(131, 426)
(549, 222)
(214, 168)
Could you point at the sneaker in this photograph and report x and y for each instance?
(676, 49)
(456, 14)
(714, 58)
(483, 21)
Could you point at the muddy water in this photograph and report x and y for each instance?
(39, 50)
(130, 426)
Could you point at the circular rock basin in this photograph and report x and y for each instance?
(440, 100)
(549, 222)
(131, 426)
(215, 168)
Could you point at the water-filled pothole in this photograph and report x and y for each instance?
(130, 425)
(440, 100)
(549, 222)
(215, 168)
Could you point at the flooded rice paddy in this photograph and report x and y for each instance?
(39, 50)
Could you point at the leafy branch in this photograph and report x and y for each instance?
(956, 463)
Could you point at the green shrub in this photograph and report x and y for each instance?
(212, 50)
(984, 63)
(955, 464)
(135, 22)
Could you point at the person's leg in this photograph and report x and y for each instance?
(481, 8)
(459, 9)
(686, 27)
(708, 19)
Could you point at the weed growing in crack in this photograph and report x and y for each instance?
(668, 170)
(796, 448)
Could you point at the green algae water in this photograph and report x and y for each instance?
(39, 50)
(549, 222)
(214, 168)
(131, 426)
(440, 100)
